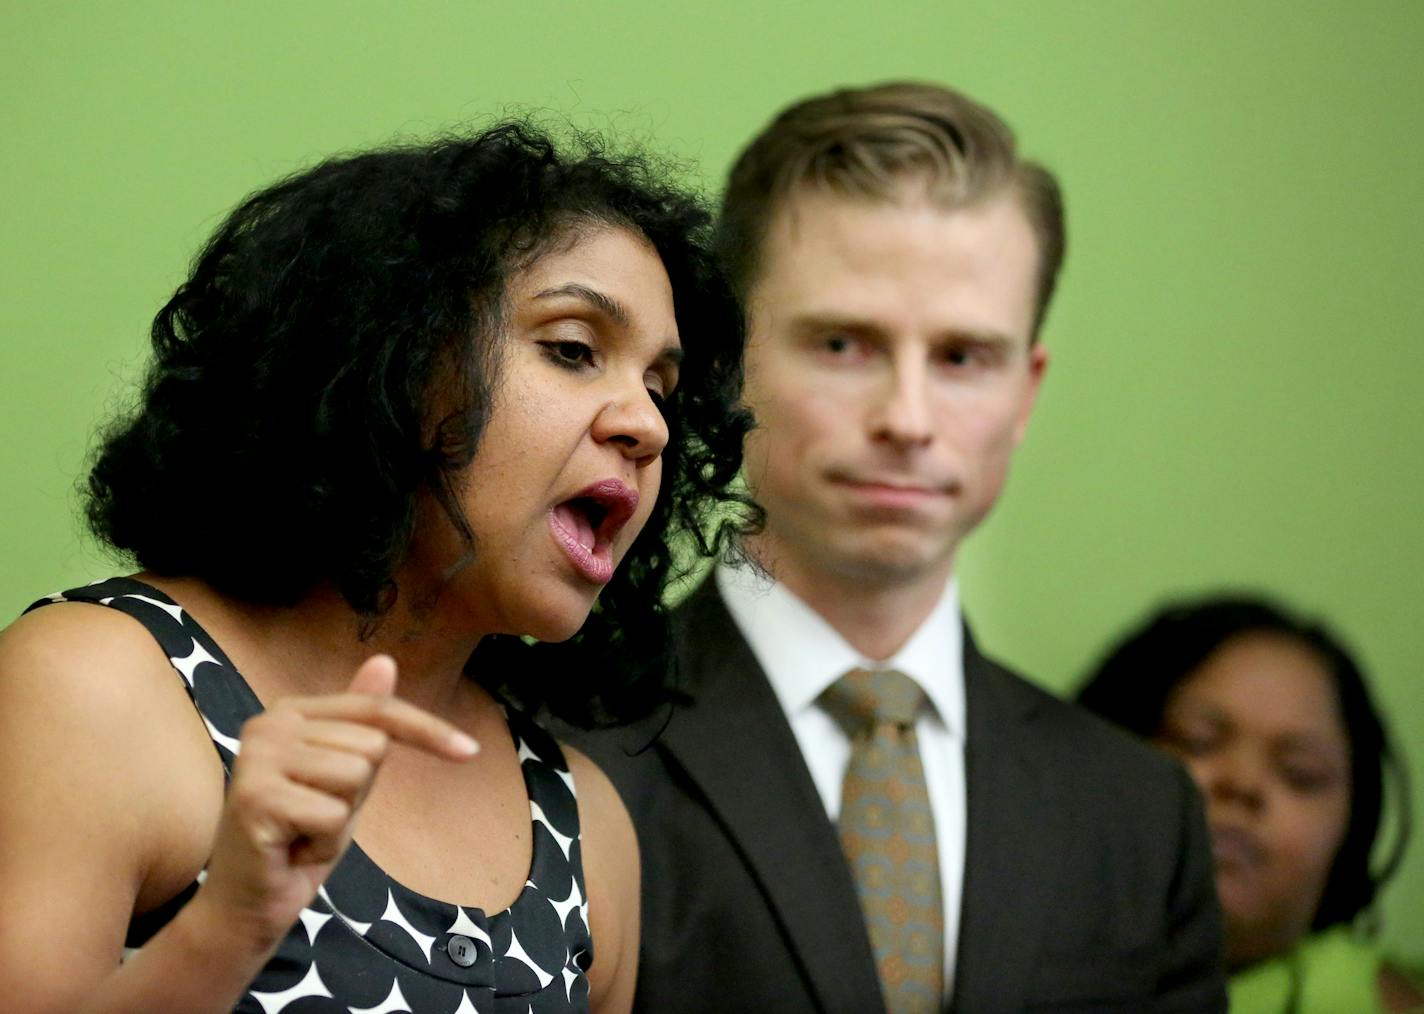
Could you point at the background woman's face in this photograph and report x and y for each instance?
(1259, 728)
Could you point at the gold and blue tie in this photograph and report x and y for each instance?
(887, 833)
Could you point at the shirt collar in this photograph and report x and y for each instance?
(802, 654)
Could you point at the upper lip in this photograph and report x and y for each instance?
(609, 505)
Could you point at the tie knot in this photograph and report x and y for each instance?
(863, 698)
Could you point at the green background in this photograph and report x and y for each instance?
(1234, 397)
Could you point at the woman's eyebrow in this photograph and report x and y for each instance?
(606, 304)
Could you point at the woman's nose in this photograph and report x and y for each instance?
(1237, 780)
(634, 423)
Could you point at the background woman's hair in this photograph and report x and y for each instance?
(1133, 682)
(285, 424)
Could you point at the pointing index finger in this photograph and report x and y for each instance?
(401, 720)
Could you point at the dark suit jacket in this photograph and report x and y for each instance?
(1087, 882)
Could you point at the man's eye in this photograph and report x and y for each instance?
(841, 345)
(961, 355)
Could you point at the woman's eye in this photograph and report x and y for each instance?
(569, 354)
(1307, 781)
(1191, 743)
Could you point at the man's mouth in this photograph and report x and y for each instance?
(894, 492)
(877, 478)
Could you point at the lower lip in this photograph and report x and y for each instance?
(593, 565)
(893, 497)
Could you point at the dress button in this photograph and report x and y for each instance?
(461, 951)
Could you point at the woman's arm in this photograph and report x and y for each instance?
(613, 875)
(110, 794)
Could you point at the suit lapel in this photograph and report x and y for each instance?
(733, 741)
(1007, 846)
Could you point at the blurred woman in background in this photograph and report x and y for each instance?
(1272, 718)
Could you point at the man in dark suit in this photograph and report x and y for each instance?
(855, 810)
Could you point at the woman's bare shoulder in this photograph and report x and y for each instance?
(109, 790)
(600, 806)
(86, 690)
(98, 732)
(86, 656)
(88, 683)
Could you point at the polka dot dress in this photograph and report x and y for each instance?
(366, 944)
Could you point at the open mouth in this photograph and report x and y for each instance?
(597, 514)
(587, 524)
(583, 517)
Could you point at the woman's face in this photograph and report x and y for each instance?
(1260, 730)
(568, 467)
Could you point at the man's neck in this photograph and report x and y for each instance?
(876, 618)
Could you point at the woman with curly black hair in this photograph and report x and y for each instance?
(435, 409)
(1272, 718)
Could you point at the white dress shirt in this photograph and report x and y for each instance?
(802, 655)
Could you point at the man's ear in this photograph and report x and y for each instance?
(1037, 365)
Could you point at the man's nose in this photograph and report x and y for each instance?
(902, 413)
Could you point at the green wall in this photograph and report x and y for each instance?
(1237, 344)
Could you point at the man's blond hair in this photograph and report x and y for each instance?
(883, 143)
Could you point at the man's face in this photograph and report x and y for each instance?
(891, 372)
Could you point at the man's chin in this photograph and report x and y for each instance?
(886, 557)
(890, 563)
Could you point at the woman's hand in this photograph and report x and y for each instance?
(303, 771)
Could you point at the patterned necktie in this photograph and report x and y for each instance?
(887, 833)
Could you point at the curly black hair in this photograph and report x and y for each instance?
(1132, 684)
(283, 430)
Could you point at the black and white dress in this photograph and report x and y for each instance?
(366, 944)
